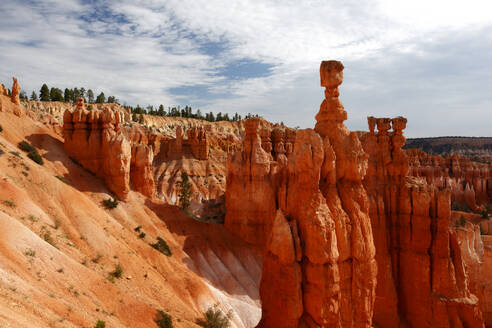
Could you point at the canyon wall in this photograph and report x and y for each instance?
(310, 212)
(470, 182)
(350, 238)
(422, 280)
(94, 139)
(132, 156)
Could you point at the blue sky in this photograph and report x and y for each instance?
(426, 60)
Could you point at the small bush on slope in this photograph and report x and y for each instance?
(32, 152)
(111, 203)
(163, 320)
(162, 246)
(100, 324)
(214, 318)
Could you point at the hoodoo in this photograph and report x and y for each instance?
(338, 214)
(311, 212)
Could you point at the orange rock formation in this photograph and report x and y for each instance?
(15, 92)
(470, 182)
(310, 211)
(3, 90)
(95, 140)
(422, 281)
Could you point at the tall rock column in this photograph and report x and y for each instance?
(141, 170)
(250, 195)
(346, 197)
(310, 212)
(15, 92)
(421, 277)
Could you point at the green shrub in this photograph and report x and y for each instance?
(47, 238)
(463, 207)
(111, 203)
(36, 157)
(9, 203)
(26, 146)
(62, 179)
(163, 320)
(100, 324)
(462, 221)
(1, 129)
(32, 152)
(118, 271)
(30, 252)
(184, 191)
(214, 318)
(162, 246)
(141, 235)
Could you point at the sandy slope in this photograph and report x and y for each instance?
(64, 284)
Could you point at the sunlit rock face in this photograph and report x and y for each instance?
(470, 182)
(422, 277)
(94, 139)
(302, 198)
(350, 238)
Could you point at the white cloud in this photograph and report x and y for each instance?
(138, 50)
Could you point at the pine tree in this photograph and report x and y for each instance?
(184, 191)
(67, 97)
(82, 93)
(34, 96)
(76, 94)
(101, 99)
(141, 119)
(56, 94)
(44, 93)
(90, 96)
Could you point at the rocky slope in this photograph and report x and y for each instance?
(59, 246)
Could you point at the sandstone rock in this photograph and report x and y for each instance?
(470, 182)
(422, 280)
(3, 90)
(142, 173)
(15, 92)
(321, 236)
(281, 275)
(95, 140)
(250, 196)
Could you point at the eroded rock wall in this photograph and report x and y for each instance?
(422, 281)
(470, 182)
(302, 198)
(95, 140)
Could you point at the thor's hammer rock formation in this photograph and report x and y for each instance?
(310, 212)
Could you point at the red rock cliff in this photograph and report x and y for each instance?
(311, 212)
(422, 281)
(469, 182)
(95, 140)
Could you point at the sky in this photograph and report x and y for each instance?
(429, 61)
